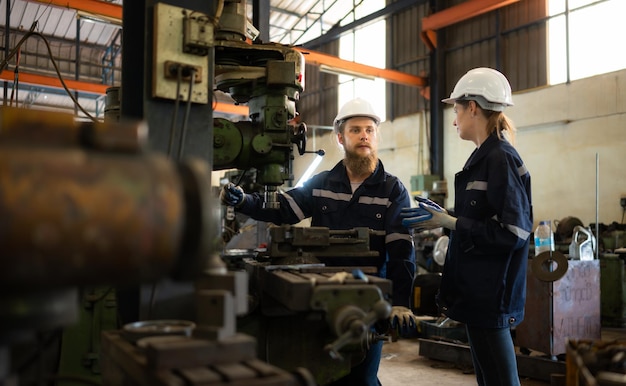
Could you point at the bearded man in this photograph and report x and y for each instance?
(357, 192)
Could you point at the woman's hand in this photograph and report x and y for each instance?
(428, 215)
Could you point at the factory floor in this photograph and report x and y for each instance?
(401, 365)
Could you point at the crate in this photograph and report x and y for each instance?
(447, 330)
(568, 308)
(594, 363)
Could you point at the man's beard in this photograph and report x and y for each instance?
(361, 165)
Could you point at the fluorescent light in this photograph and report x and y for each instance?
(309, 171)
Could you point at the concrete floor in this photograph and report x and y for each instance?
(401, 365)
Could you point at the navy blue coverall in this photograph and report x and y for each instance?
(484, 275)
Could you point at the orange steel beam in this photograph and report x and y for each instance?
(49, 81)
(92, 6)
(462, 12)
(96, 88)
(319, 58)
(456, 14)
(228, 108)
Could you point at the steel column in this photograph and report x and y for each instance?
(261, 18)
(437, 90)
(6, 48)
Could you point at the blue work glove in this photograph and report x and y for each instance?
(412, 217)
(428, 215)
(232, 195)
(430, 203)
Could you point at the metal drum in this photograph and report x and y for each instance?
(112, 104)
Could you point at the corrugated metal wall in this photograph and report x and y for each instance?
(511, 39)
(318, 103)
(407, 53)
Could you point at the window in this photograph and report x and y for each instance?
(366, 45)
(596, 28)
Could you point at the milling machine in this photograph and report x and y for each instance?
(269, 79)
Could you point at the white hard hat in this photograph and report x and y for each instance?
(488, 87)
(356, 108)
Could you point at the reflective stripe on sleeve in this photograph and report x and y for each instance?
(398, 236)
(294, 206)
(517, 231)
(522, 170)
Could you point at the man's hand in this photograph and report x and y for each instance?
(232, 195)
(402, 317)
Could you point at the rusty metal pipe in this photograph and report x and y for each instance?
(69, 216)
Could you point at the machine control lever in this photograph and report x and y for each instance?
(319, 152)
(356, 327)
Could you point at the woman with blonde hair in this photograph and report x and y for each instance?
(484, 275)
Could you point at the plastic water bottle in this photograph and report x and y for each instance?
(544, 238)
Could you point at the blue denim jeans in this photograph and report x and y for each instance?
(493, 356)
(366, 372)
